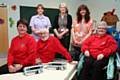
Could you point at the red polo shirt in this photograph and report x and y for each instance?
(96, 45)
(46, 50)
(22, 50)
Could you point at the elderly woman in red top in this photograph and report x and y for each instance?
(22, 49)
(48, 46)
(97, 50)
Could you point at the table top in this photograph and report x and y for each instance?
(45, 75)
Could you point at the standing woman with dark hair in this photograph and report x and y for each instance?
(21, 52)
(82, 28)
(39, 21)
(62, 25)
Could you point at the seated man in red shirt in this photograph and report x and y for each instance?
(21, 51)
(97, 50)
(48, 46)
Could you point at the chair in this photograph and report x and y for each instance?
(112, 31)
(110, 70)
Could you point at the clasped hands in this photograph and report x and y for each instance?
(60, 35)
(15, 67)
(99, 57)
(76, 43)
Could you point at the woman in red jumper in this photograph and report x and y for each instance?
(97, 50)
(48, 46)
(21, 51)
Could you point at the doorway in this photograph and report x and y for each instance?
(3, 30)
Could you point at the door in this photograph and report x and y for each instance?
(3, 30)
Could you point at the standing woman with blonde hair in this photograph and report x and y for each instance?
(62, 25)
(82, 29)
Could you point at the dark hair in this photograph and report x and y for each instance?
(40, 5)
(87, 15)
(22, 21)
(67, 10)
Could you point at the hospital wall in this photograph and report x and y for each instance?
(97, 8)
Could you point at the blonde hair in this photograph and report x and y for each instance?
(64, 5)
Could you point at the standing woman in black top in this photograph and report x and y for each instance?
(62, 25)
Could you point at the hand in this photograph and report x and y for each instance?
(11, 68)
(100, 56)
(38, 61)
(76, 43)
(18, 66)
(70, 61)
(66, 30)
(59, 36)
(87, 53)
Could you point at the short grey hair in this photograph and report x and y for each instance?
(102, 24)
(43, 30)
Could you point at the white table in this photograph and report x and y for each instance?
(66, 74)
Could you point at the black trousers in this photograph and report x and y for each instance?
(75, 53)
(65, 41)
(93, 69)
(4, 69)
